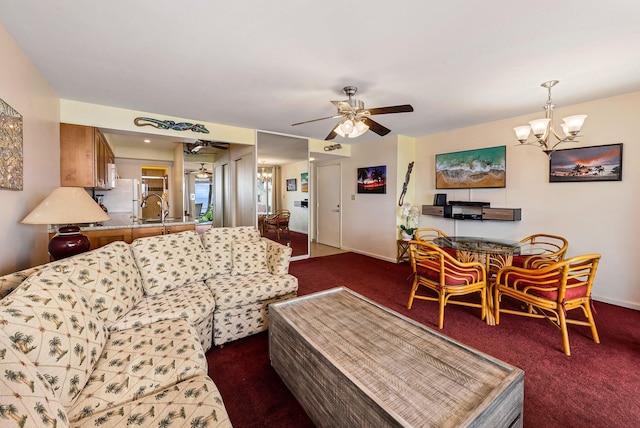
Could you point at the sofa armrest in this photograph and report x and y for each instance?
(278, 257)
(11, 281)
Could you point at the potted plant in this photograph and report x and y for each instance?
(411, 216)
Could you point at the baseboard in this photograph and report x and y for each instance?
(617, 302)
(375, 256)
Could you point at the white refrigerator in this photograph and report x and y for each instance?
(124, 199)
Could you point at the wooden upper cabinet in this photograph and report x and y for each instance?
(84, 156)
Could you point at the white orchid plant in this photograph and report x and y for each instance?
(411, 216)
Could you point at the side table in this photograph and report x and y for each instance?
(403, 251)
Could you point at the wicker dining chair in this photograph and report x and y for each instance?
(550, 249)
(551, 292)
(428, 234)
(279, 221)
(436, 270)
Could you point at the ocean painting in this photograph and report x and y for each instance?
(596, 163)
(469, 169)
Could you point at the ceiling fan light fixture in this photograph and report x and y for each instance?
(347, 126)
(351, 129)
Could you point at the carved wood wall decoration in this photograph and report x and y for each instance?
(11, 160)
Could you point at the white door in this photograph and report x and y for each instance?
(328, 208)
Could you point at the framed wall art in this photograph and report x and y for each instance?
(11, 159)
(304, 182)
(472, 169)
(291, 185)
(595, 163)
(372, 179)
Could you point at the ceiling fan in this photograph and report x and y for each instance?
(194, 148)
(355, 118)
(202, 172)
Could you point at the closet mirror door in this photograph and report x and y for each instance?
(282, 187)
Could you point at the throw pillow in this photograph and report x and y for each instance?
(249, 257)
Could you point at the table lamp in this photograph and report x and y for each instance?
(67, 206)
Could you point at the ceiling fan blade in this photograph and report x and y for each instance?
(314, 120)
(331, 135)
(405, 108)
(375, 126)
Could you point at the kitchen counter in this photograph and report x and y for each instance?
(119, 224)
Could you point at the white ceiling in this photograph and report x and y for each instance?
(266, 65)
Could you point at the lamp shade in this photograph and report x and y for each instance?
(66, 205)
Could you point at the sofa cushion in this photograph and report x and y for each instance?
(167, 262)
(249, 258)
(217, 242)
(108, 275)
(232, 291)
(193, 301)
(26, 398)
(278, 257)
(240, 233)
(141, 361)
(53, 324)
(192, 403)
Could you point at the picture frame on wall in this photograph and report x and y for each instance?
(291, 185)
(594, 163)
(472, 169)
(304, 182)
(372, 179)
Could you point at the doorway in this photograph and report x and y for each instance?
(329, 217)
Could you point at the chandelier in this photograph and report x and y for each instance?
(351, 128)
(265, 174)
(543, 128)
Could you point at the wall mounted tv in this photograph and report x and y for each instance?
(472, 169)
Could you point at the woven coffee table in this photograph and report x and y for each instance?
(351, 362)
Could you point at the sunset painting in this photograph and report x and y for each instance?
(372, 179)
(596, 163)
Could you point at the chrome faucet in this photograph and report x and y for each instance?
(164, 211)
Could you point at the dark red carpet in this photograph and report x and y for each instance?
(597, 386)
(299, 242)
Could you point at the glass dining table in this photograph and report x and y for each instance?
(493, 253)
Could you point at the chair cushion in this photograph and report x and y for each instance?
(167, 262)
(53, 324)
(551, 290)
(249, 258)
(431, 271)
(26, 398)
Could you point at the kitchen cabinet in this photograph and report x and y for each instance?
(101, 237)
(168, 228)
(147, 231)
(85, 156)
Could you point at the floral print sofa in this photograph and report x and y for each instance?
(117, 336)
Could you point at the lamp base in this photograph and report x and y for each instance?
(68, 242)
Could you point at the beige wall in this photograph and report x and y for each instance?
(596, 217)
(24, 89)
(369, 220)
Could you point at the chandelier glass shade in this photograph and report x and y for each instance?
(542, 129)
(351, 128)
